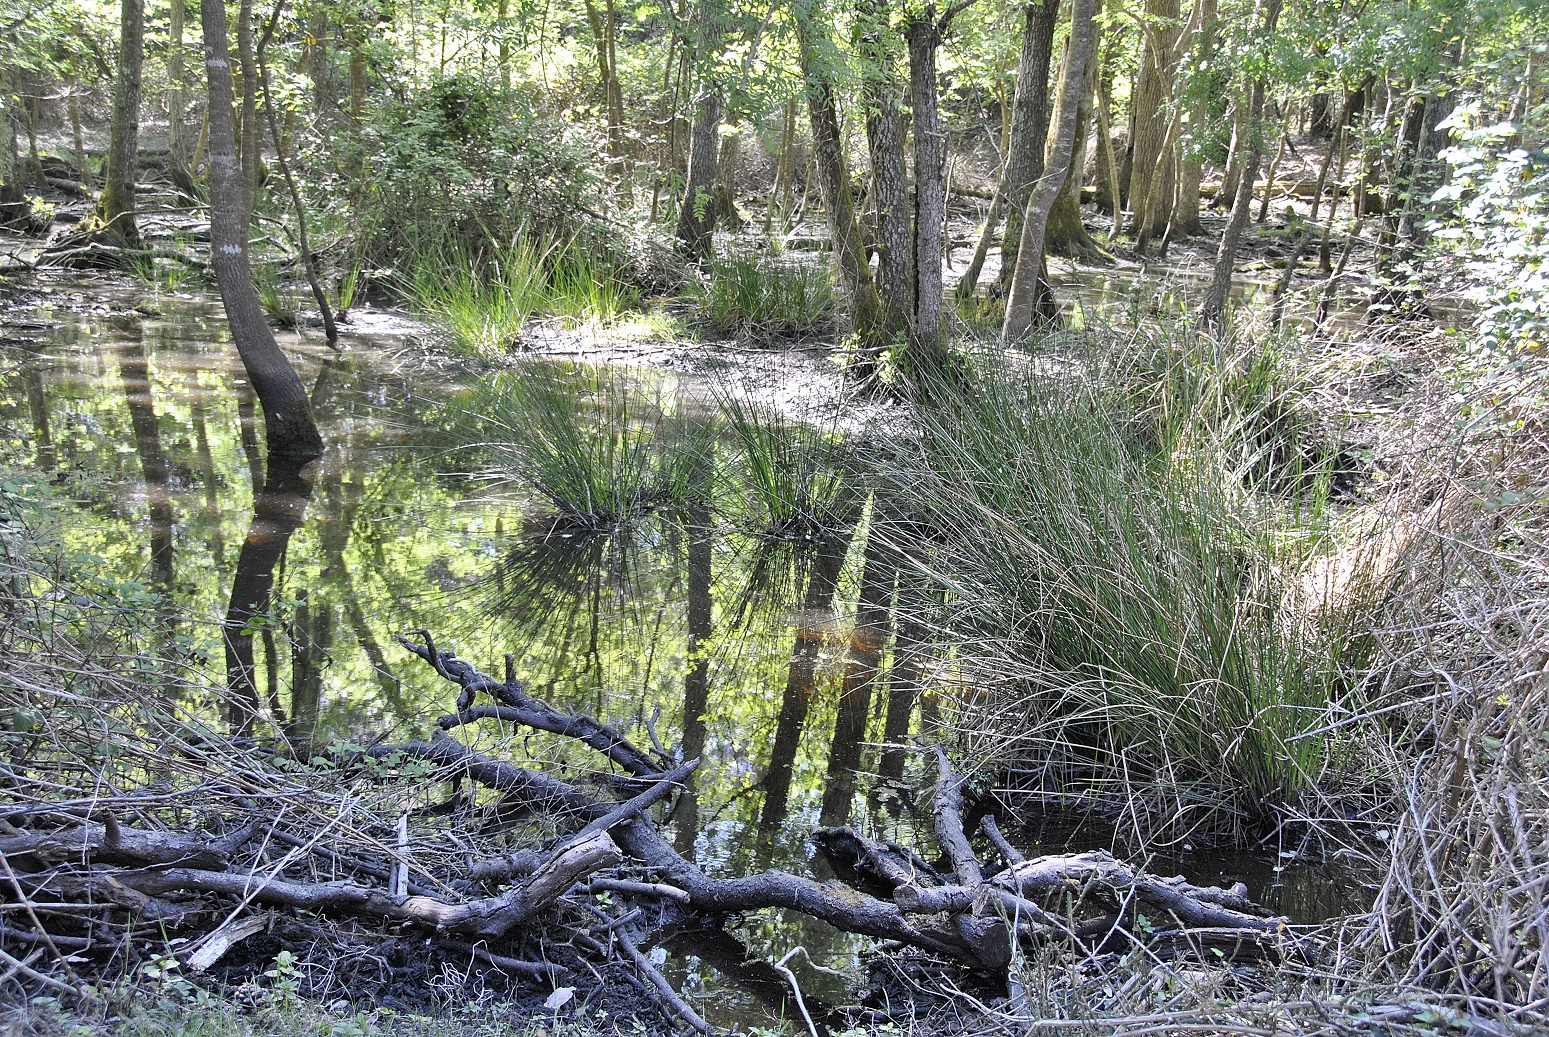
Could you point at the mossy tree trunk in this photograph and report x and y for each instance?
(115, 215)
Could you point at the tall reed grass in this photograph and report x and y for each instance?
(600, 445)
(1117, 595)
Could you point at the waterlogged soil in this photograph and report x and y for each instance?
(131, 410)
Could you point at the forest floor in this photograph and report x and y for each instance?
(1370, 378)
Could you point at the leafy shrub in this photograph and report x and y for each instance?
(466, 163)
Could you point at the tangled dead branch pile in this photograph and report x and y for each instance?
(131, 831)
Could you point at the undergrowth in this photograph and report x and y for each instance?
(1118, 590)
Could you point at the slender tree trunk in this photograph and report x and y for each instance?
(890, 183)
(1151, 118)
(115, 213)
(248, 148)
(1023, 300)
(834, 180)
(318, 65)
(176, 131)
(1029, 130)
(929, 190)
(287, 409)
(1184, 221)
(696, 214)
(82, 167)
(1213, 310)
(308, 261)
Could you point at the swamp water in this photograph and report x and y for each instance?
(683, 629)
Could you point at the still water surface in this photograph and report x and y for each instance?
(682, 628)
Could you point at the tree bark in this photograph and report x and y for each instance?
(890, 184)
(1023, 300)
(1185, 221)
(929, 192)
(697, 213)
(115, 215)
(248, 148)
(1067, 234)
(1213, 310)
(1029, 130)
(834, 181)
(287, 409)
(1152, 121)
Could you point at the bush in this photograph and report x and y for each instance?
(469, 165)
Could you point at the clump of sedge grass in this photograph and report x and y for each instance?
(482, 300)
(796, 478)
(599, 445)
(765, 299)
(1118, 601)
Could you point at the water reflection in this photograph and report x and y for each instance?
(279, 507)
(781, 664)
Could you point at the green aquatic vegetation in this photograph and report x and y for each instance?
(481, 300)
(1119, 603)
(765, 298)
(599, 445)
(794, 477)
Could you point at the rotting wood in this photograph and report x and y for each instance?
(222, 884)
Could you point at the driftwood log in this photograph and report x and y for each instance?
(82, 878)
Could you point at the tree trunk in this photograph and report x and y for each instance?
(82, 167)
(287, 410)
(115, 214)
(1213, 310)
(1152, 120)
(176, 132)
(248, 149)
(834, 180)
(1024, 295)
(929, 190)
(1067, 235)
(1029, 130)
(1185, 221)
(890, 182)
(696, 214)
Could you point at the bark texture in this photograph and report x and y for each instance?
(115, 214)
(697, 212)
(1023, 300)
(1152, 120)
(287, 410)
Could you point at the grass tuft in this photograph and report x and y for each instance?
(797, 479)
(766, 299)
(1117, 594)
(598, 444)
